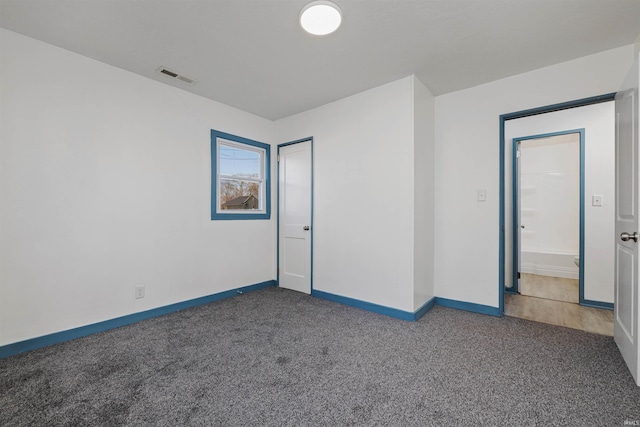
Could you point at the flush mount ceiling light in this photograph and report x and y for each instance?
(320, 17)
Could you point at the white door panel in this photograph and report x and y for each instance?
(294, 203)
(626, 274)
(624, 294)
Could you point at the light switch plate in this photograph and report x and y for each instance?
(596, 200)
(482, 195)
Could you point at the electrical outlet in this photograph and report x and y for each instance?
(139, 291)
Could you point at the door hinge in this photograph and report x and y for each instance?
(278, 157)
(278, 271)
(518, 274)
(518, 154)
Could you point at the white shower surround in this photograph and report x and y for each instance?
(556, 264)
(550, 205)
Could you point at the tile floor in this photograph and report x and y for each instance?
(555, 302)
(555, 288)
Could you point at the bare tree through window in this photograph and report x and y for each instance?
(240, 176)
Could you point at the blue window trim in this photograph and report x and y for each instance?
(215, 215)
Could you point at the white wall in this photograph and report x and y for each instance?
(105, 184)
(550, 194)
(467, 160)
(423, 160)
(598, 120)
(364, 192)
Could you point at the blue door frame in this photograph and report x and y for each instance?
(516, 212)
(298, 141)
(502, 120)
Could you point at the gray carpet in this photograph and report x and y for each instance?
(279, 358)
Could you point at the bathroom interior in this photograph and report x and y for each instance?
(545, 248)
(549, 217)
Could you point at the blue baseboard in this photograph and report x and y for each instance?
(82, 331)
(597, 304)
(407, 315)
(469, 306)
(58, 337)
(376, 308)
(424, 309)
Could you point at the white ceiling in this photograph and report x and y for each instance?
(253, 55)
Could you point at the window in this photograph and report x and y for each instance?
(240, 178)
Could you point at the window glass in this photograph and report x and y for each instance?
(240, 181)
(238, 162)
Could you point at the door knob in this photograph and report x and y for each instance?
(306, 228)
(625, 237)
(522, 226)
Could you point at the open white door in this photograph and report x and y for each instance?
(517, 214)
(294, 216)
(627, 192)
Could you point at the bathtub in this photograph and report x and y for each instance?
(549, 263)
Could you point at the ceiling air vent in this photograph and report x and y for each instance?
(174, 75)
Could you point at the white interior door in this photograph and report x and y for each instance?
(294, 202)
(627, 191)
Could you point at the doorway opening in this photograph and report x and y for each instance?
(545, 248)
(548, 219)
